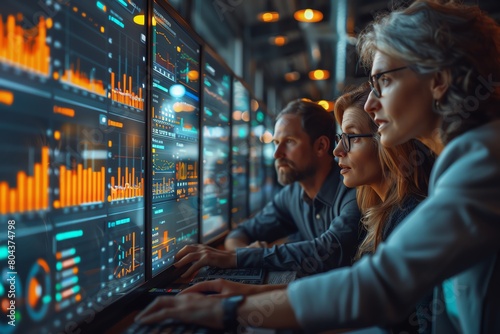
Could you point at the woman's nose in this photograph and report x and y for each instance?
(338, 151)
(372, 104)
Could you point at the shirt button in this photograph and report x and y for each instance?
(318, 216)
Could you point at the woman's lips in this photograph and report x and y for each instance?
(381, 124)
(344, 169)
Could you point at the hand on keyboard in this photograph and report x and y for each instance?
(201, 255)
(222, 288)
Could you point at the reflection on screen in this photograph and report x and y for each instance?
(268, 158)
(240, 151)
(216, 179)
(256, 161)
(175, 144)
(72, 80)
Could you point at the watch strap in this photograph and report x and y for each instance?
(230, 311)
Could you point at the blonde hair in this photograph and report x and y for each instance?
(406, 167)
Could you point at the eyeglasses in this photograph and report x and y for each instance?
(375, 85)
(346, 139)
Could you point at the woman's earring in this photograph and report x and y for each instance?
(437, 105)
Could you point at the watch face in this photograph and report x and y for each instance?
(236, 299)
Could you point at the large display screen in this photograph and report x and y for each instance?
(175, 122)
(72, 134)
(216, 139)
(240, 151)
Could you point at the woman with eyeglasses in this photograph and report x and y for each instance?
(390, 182)
(436, 77)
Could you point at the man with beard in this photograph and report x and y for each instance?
(314, 204)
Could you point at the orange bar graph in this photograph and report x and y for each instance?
(77, 78)
(164, 187)
(128, 263)
(131, 252)
(125, 186)
(164, 245)
(181, 171)
(80, 186)
(122, 92)
(30, 192)
(19, 48)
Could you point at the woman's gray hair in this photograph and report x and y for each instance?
(432, 36)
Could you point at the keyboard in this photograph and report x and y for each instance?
(281, 277)
(243, 275)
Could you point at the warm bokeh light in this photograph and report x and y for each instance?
(324, 104)
(308, 15)
(268, 16)
(319, 75)
(245, 116)
(237, 115)
(278, 40)
(292, 76)
(193, 75)
(328, 105)
(266, 137)
(254, 104)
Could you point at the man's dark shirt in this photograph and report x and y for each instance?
(328, 226)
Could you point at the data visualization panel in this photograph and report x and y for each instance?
(175, 123)
(216, 137)
(240, 151)
(73, 132)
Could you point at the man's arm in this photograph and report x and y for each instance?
(236, 239)
(273, 222)
(334, 248)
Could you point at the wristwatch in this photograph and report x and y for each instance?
(230, 309)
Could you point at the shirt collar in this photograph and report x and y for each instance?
(328, 191)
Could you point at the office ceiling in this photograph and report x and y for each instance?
(309, 45)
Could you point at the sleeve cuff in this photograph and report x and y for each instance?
(249, 257)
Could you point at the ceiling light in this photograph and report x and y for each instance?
(278, 40)
(328, 105)
(319, 75)
(268, 16)
(308, 15)
(324, 104)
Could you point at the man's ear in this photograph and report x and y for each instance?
(322, 145)
(440, 83)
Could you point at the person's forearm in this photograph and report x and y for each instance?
(233, 243)
(262, 288)
(268, 310)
